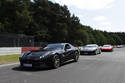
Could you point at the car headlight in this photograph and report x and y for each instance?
(47, 54)
(42, 56)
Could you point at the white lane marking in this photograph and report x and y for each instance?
(4, 65)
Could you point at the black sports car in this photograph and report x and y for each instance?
(52, 55)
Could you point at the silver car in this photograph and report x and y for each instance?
(90, 49)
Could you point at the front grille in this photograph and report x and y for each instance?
(31, 61)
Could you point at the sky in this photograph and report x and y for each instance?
(105, 15)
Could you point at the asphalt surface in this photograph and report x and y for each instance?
(108, 67)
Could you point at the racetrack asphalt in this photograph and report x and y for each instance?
(108, 67)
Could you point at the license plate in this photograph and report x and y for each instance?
(27, 65)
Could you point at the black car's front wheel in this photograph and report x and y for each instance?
(76, 57)
(56, 61)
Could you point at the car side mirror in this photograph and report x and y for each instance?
(67, 49)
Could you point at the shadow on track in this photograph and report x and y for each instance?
(41, 68)
(44, 68)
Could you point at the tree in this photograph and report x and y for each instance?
(15, 16)
(50, 22)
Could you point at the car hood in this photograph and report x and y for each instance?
(89, 49)
(35, 55)
(38, 54)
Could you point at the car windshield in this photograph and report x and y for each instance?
(54, 47)
(107, 46)
(90, 46)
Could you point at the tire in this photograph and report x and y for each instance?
(76, 57)
(56, 61)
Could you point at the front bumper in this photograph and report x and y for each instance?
(34, 63)
(106, 49)
(87, 52)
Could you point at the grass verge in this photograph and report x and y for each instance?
(9, 59)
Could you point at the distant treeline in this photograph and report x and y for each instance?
(51, 22)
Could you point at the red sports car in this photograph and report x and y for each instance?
(107, 48)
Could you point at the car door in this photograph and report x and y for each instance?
(68, 51)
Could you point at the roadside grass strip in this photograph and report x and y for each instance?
(9, 59)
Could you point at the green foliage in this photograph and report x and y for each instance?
(100, 38)
(50, 22)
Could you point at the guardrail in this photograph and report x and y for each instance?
(15, 50)
(24, 49)
(10, 50)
